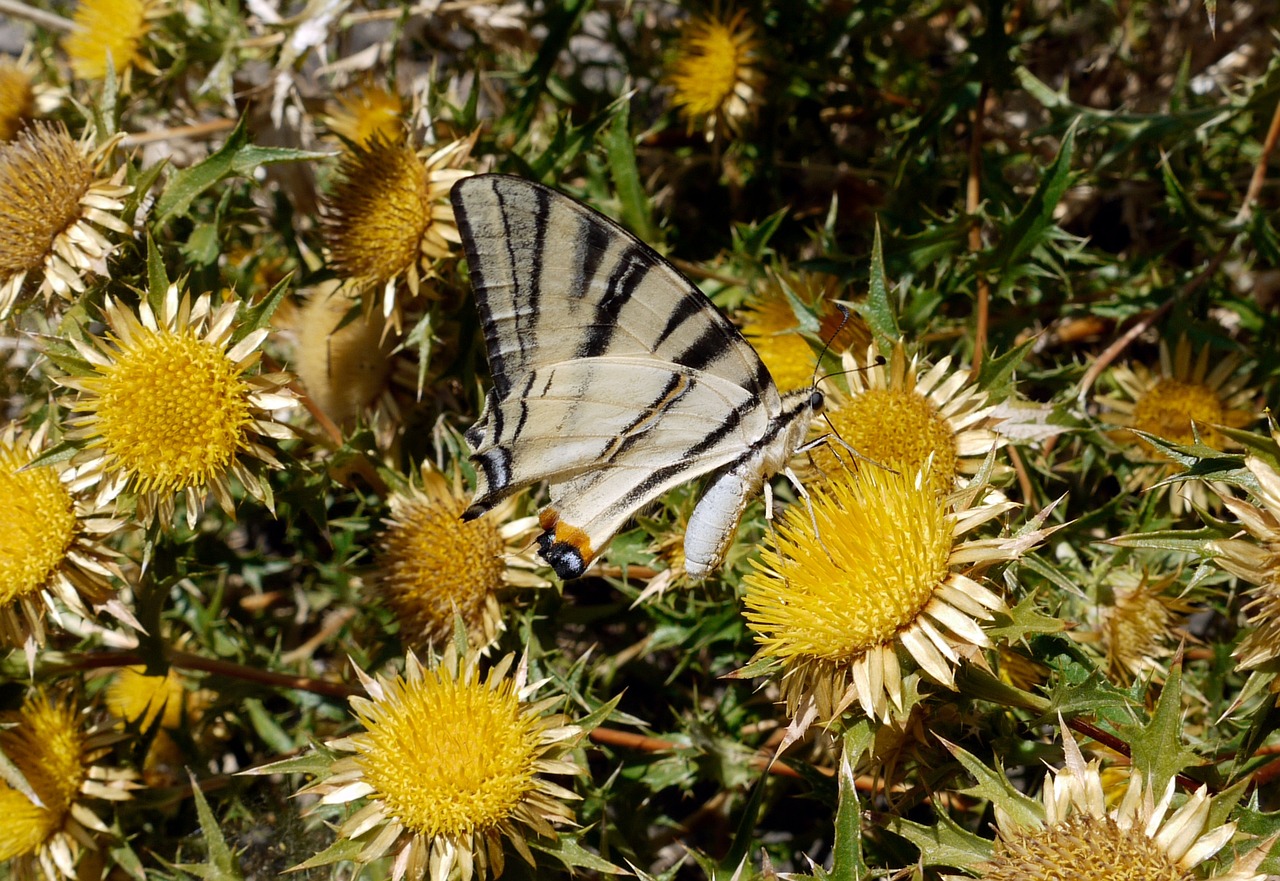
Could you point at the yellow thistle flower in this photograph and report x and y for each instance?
(714, 75)
(170, 407)
(366, 113)
(55, 200)
(1077, 835)
(143, 700)
(343, 356)
(17, 97)
(1256, 560)
(48, 744)
(389, 216)
(770, 324)
(1136, 627)
(1180, 399)
(450, 764)
(108, 32)
(433, 566)
(884, 580)
(51, 544)
(903, 421)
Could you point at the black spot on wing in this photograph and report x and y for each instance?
(561, 556)
(496, 465)
(593, 243)
(707, 347)
(690, 304)
(632, 267)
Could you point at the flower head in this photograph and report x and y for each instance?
(904, 421)
(771, 325)
(1257, 560)
(714, 75)
(1181, 400)
(1139, 622)
(51, 544)
(389, 217)
(1073, 833)
(366, 113)
(450, 764)
(46, 741)
(55, 202)
(884, 580)
(433, 566)
(17, 97)
(343, 356)
(170, 407)
(108, 34)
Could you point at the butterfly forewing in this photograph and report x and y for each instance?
(614, 377)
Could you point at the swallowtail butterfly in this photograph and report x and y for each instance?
(614, 379)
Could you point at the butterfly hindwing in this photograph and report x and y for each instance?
(614, 377)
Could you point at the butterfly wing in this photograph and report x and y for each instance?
(614, 377)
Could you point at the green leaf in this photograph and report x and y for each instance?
(1029, 229)
(996, 788)
(259, 315)
(634, 204)
(313, 763)
(877, 308)
(220, 864)
(944, 844)
(236, 158)
(157, 277)
(846, 853)
(1158, 750)
(569, 851)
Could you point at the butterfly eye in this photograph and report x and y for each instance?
(816, 401)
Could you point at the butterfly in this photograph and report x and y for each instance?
(614, 379)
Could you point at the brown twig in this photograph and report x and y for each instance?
(46, 20)
(972, 197)
(195, 131)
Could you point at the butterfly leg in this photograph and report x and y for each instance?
(808, 503)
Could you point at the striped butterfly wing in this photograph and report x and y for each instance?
(614, 377)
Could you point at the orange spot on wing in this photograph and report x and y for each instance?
(563, 533)
(572, 535)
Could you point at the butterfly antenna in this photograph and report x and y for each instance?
(845, 317)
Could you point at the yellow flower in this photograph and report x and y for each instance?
(17, 97)
(1257, 560)
(343, 356)
(1180, 400)
(389, 215)
(770, 324)
(884, 580)
(904, 421)
(1077, 835)
(46, 742)
(108, 33)
(141, 699)
(714, 75)
(366, 113)
(55, 201)
(432, 565)
(170, 407)
(450, 764)
(51, 544)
